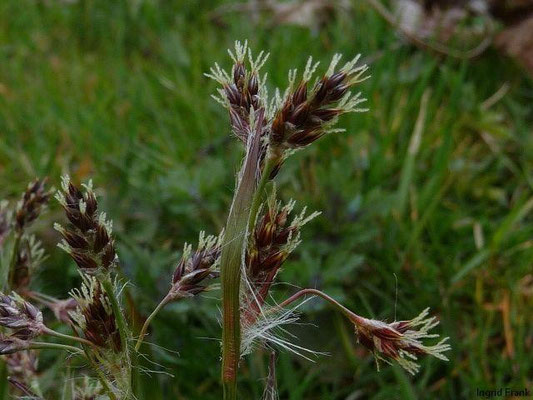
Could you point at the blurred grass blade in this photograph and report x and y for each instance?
(474, 262)
(409, 162)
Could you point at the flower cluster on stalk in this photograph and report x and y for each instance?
(401, 341)
(94, 317)
(196, 267)
(270, 244)
(307, 110)
(88, 238)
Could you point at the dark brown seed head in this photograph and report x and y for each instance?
(337, 92)
(94, 316)
(85, 262)
(233, 95)
(101, 238)
(334, 80)
(75, 240)
(195, 267)
(87, 239)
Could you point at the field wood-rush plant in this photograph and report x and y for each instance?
(260, 234)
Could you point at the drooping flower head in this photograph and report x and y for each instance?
(401, 341)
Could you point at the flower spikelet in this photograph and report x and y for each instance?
(88, 239)
(94, 315)
(243, 90)
(23, 318)
(273, 240)
(195, 267)
(401, 341)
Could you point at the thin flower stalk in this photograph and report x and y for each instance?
(190, 276)
(399, 341)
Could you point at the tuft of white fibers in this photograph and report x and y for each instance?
(268, 330)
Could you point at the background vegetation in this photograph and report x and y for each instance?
(115, 91)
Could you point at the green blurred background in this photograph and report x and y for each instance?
(115, 91)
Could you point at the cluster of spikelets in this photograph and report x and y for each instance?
(306, 111)
(93, 311)
(101, 334)
(89, 312)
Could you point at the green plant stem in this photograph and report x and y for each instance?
(258, 195)
(101, 377)
(51, 332)
(142, 334)
(122, 329)
(314, 292)
(230, 265)
(53, 346)
(41, 297)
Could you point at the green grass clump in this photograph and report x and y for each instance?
(115, 91)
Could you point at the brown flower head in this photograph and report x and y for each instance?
(94, 316)
(243, 90)
(31, 204)
(306, 114)
(273, 240)
(196, 267)
(88, 239)
(401, 341)
(24, 319)
(303, 114)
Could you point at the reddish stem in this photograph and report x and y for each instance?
(315, 292)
